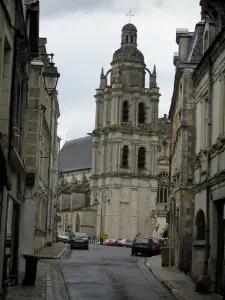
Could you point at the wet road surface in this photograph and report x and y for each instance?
(110, 273)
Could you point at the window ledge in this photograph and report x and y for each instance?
(199, 243)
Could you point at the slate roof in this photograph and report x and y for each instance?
(76, 155)
(195, 44)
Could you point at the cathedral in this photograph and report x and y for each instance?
(127, 153)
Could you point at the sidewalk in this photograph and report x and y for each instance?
(57, 250)
(49, 285)
(176, 281)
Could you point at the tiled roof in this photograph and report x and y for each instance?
(76, 155)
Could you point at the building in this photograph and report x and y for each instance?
(130, 148)
(40, 158)
(18, 39)
(209, 165)
(182, 146)
(75, 164)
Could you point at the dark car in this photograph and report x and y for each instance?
(143, 245)
(79, 240)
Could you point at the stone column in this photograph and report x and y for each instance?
(97, 114)
(105, 111)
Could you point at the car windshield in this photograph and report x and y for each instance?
(142, 240)
(79, 235)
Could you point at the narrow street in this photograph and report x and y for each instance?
(110, 273)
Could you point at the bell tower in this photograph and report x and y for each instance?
(126, 129)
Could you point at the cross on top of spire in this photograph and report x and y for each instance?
(130, 15)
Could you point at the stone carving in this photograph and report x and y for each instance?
(124, 197)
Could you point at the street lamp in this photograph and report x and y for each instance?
(51, 77)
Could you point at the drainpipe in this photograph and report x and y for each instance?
(48, 221)
(208, 194)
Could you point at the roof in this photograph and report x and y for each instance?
(76, 155)
(129, 26)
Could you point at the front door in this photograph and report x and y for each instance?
(220, 250)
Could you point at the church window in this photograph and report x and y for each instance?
(200, 225)
(132, 39)
(125, 157)
(125, 112)
(127, 37)
(141, 158)
(163, 188)
(141, 113)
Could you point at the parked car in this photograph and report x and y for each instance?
(126, 243)
(79, 240)
(121, 243)
(62, 237)
(143, 245)
(111, 242)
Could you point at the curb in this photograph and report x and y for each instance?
(169, 287)
(54, 257)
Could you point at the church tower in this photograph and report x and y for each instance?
(125, 141)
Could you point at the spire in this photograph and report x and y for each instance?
(102, 74)
(103, 80)
(153, 77)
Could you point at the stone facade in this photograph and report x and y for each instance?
(182, 146)
(209, 189)
(130, 150)
(41, 157)
(17, 38)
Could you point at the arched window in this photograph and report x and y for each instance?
(141, 158)
(132, 39)
(125, 112)
(141, 113)
(200, 225)
(125, 157)
(163, 188)
(127, 37)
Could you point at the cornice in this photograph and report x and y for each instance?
(200, 186)
(123, 175)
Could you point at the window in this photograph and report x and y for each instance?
(163, 188)
(125, 112)
(141, 158)
(127, 38)
(200, 226)
(125, 157)
(141, 113)
(132, 39)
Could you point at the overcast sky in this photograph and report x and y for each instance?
(83, 34)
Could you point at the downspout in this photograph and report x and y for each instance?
(208, 194)
(49, 171)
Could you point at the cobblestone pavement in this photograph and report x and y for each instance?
(49, 285)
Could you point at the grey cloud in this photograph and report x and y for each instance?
(56, 7)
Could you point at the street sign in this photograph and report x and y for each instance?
(105, 236)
